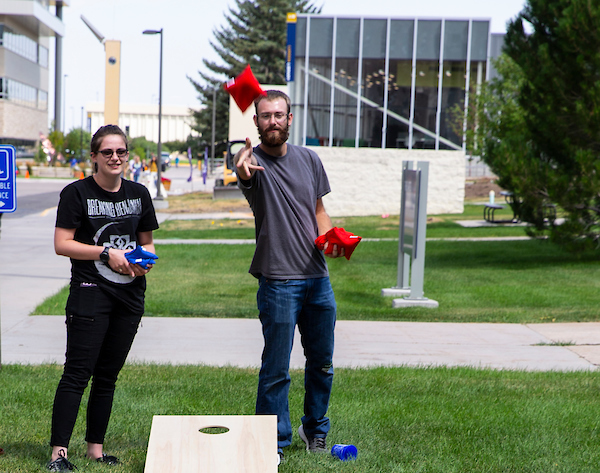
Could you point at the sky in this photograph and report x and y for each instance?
(188, 28)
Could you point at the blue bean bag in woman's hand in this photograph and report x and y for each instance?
(141, 256)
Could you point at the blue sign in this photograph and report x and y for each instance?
(8, 171)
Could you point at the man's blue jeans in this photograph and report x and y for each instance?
(283, 304)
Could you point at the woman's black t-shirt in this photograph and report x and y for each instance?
(111, 219)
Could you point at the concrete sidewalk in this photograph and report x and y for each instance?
(30, 271)
(238, 342)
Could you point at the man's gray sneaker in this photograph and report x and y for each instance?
(314, 444)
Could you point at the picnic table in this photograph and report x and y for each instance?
(489, 210)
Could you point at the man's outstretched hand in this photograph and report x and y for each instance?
(246, 163)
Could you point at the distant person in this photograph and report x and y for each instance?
(153, 164)
(136, 168)
(284, 185)
(99, 219)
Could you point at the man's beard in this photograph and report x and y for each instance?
(273, 140)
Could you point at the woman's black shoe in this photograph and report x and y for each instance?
(108, 459)
(61, 463)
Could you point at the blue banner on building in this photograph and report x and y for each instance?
(290, 50)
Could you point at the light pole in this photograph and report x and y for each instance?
(64, 98)
(81, 139)
(159, 157)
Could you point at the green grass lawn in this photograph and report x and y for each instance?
(400, 419)
(439, 226)
(409, 420)
(487, 281)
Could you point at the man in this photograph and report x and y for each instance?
(284, 185)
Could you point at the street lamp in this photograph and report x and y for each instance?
(64, 98)
(159, 158)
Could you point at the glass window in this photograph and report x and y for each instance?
(19, 93)
(479, 40)
(456, 35)
(401, 39)
(42, 56)
(24, 148)
(348, 34)
(426, 82)
(42, 100)
(321, 37)
(319, 99)
(346, 75)
(375, 86)
(425, 103)
(453, 100)
(399, 103)
(319, 88)
(301, 37)
(20, 44)
(373, 82)
(428, 39)
(374, 39)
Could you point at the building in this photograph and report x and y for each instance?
(384, 82)
(26, 27)
(370, 94)
(142, 120)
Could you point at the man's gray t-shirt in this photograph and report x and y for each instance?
(283, 198)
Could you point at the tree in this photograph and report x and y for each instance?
(142, 147)
(507, 146)
(542, 119)
(77, 144)
(255, 34)
(57, 138)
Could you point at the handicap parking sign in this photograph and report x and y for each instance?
(8, 189)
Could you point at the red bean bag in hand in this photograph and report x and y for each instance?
(340, 237)
(244, 89)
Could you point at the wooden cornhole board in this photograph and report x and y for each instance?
(177, 444)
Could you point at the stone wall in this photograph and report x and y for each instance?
(22, 122)
(368, 181)
(51, 171)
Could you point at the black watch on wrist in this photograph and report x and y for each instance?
(104, 256)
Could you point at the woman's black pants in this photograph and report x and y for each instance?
(100, 331)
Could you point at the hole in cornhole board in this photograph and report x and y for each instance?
(214, 430)
(212, 444)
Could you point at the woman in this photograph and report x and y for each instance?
(99, 219)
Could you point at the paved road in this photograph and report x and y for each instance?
(30, 272)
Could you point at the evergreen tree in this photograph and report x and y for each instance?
(254, 34)
(542, 134)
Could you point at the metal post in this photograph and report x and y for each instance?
(58, 75)
(214, 121)
(63, 128)
(81, 138)
(159, 157)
